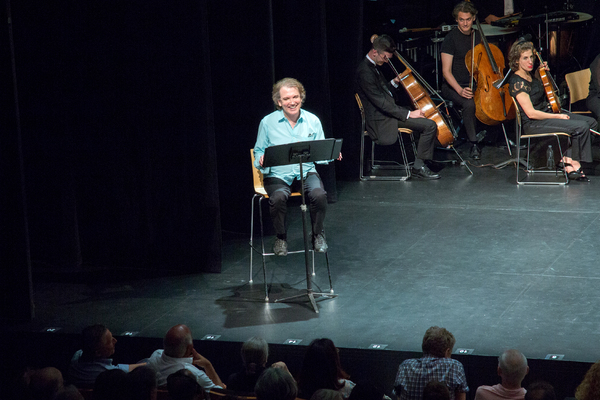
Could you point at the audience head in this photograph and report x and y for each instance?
(45, 383)
(182, 385)
(70, 392)
(141, 383)
(435, 390)
(110, 385)
(328, 394)
(512, 367)
(178, 342)
(366, 391)
(589, 388)
(276, 384)
(321, 368)
(438, 342)
(98, 342)
(255, 352)
(540, 391)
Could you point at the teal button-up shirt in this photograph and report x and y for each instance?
(275, 129)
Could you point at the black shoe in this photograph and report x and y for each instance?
(475, 152)
(424, 173)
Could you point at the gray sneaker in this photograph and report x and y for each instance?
(280, 247)
(319, 243)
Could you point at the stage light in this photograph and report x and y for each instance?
(376, 346)
(211, 337)
(554, 356)
(292, 341)
(129, 333)
(51, 329)
(464, 352)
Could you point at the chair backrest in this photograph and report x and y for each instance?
(517, 120)
(362, 113)
(223, 394)
(579, 85)
(257, 177)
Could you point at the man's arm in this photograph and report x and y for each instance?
(202, 362)
(460, 395)
(367, 82)
(447, 60)
(134, 366)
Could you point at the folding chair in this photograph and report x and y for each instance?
(379, 164)
(530, 171)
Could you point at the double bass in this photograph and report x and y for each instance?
(486, 64)
(421, 99)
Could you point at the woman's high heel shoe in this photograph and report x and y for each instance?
(582, 177)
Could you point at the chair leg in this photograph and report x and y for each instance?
(250, 279)
(404, 157)
(262, 239)
(328, 272)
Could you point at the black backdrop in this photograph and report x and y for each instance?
(136, 122)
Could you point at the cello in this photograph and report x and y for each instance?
(486, 64)
(421, 99)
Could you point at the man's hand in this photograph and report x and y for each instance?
(199, 359)
(466, 92)
(491, 18)
(340, 157)
(417, 114)
(261, 159)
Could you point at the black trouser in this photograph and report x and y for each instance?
(578, 126)
(468, 111)
(279, 192)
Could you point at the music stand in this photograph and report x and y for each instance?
(301, 152)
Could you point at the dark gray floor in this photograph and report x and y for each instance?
(499, 265)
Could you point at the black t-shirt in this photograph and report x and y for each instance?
(458, 44)
(535, 90)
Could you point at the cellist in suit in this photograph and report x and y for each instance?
(383, 116)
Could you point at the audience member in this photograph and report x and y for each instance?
(436, 364)
(512, 368)
(69, 392)
(367, 391)
(141, 384)
(45, 383)
(179, 353)
(110, 385)
(98, 344)
(182, 385)
(321, 369)
(276, 384)
(255, 352)
(589, 388)
(435, 390)
(540, 391)
(327, 394)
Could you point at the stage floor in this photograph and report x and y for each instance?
(499, 265)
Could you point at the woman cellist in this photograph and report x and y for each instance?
(537, 117)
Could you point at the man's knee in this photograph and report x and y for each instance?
(278, 199)
(318, 197)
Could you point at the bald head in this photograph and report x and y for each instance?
(178, 342)
(512, 367)
(45, 383)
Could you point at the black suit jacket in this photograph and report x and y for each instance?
(381, 112)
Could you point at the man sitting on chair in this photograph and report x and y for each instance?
(289, 124)
(383, 116)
